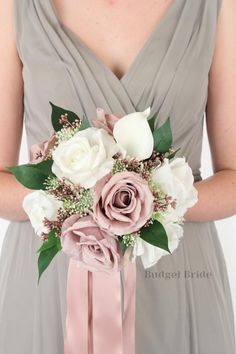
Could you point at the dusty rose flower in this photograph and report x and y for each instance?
(105, 121)
(94, 249)
(123, 203)
(38, 152)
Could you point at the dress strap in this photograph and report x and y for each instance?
(20, 13)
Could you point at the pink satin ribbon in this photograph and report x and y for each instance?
(98, 321)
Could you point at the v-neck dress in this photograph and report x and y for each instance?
(183, 303)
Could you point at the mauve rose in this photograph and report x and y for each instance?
(94, 249)
(123, 203)
(105, 121)
(39, 151)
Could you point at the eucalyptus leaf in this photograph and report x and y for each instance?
(56, 115)
(163, 137)
(156, 235)
(47, 253)
(33, 176)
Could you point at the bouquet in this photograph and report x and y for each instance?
(106, 192)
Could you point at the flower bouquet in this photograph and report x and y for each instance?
(108, 191)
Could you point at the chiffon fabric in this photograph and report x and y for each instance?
(183, 303)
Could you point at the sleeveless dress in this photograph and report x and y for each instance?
(183, 303)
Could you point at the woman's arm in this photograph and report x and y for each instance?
(217, 194)
(11, 116)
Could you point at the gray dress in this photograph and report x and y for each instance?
(183, 303)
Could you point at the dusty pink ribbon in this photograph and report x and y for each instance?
(98, 321)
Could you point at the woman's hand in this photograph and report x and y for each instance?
(217, 197)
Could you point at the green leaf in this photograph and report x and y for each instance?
(45, 259)
(172, 155)
(47, 252)
(155, 234)
(56, 115)
(50, 242)
(151, 123)
(123, 246)
(85, 123)
(33, 176)
(163, 137)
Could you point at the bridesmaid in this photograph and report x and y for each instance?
(115, 33)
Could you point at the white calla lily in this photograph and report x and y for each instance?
(134, 136)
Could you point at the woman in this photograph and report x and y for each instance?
(123, 55)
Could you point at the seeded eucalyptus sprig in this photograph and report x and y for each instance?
(126, 241)
(81, 205)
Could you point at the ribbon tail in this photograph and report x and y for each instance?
(107, 313)
(129, 308)
(95, 321)
(77, 326)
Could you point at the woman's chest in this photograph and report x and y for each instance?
(114, 30)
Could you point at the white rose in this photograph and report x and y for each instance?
(39, 205)
(85, 158)
(175, 178)
(150, 254)
(134, 136)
